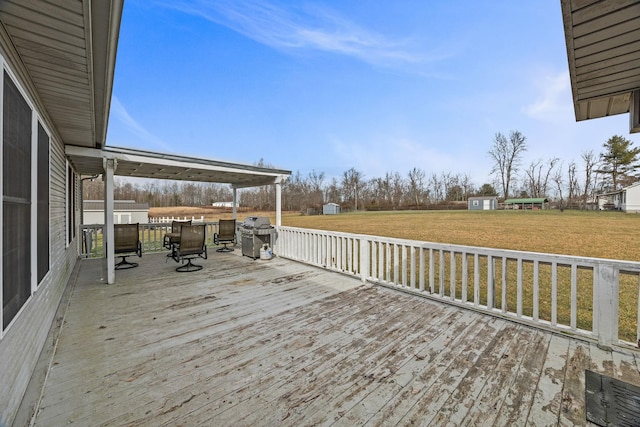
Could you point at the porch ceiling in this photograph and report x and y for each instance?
(603, 49)
(68, 49)
(146, 164)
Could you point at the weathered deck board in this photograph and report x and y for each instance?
(246, 343)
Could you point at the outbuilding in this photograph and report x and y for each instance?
(533, 203)
(626, 199)
(330, 209)
(483, 203)
(124, 212)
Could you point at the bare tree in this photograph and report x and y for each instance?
(572, 182)
(506, 155)
(316, 179)
(351, 181)
(398, 190)
(559, 181)
(435, 187)
(538, 174)
(416, 185)
(332, 192)
(590, 160)
(468, 189)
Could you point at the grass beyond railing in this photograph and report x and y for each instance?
(596, 299)
(151, 237)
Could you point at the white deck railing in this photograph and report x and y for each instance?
(151, 237)
(595, 299)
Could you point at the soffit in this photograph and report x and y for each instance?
(68, 48)
(603, 49)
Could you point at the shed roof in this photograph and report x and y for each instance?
(526, 200)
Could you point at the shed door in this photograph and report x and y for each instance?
(486, 205)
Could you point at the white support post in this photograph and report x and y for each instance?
(278, 183)
(235, 203)
(634, 112)
(605, 295)
(109, 169)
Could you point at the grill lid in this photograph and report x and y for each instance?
(257, 222)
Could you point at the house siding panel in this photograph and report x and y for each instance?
(23, 342)
(632, 199)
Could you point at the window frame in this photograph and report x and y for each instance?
(29, 282)
(70, 203)
(37, 213)
(37, 122)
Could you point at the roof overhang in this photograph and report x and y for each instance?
(147, 164)
(603, 48)
(66, 51)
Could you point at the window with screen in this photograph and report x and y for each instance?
(16, 201)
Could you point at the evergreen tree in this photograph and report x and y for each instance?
(619, 161)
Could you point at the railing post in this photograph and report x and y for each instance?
(364, 260)
(605, 304)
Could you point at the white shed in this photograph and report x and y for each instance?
(124, 212)
(330, 209)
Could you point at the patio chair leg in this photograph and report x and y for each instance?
(225, 248)
(124, 264)
(188, 267)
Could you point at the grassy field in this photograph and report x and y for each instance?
(611, 235)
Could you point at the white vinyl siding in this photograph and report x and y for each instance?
(22, 342)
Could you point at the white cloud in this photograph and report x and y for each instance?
(554, 100)
(307, 28)
(119, 113)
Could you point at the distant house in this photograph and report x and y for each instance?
(330, 209)
(124, 212)
(533, 203)
(626, 199)
(483, 203)
(224, 204)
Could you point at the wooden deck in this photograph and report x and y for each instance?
(250, 343)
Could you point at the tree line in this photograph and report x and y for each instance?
(570, 185)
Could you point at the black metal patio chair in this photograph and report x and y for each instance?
(192, 245)
(226, 234)
(126, 242)
(172, 238)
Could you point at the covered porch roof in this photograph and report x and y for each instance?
(603, 49)
(147, 164)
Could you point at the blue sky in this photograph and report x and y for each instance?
(381, 86)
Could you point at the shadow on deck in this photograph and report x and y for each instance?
(276, 342)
